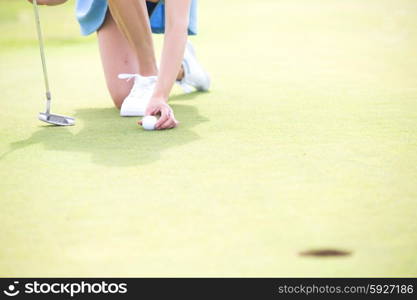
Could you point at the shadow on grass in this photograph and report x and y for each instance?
(115, 141)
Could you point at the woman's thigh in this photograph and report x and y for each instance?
(117, 57)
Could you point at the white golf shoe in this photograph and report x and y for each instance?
(136, 102)
(194, 74)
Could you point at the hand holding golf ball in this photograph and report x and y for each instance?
(166, 120)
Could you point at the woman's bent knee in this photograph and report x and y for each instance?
(118, 99)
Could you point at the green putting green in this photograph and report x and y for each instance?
(307, 141)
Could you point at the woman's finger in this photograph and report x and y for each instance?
(165, 115)
(151, 111)
(170, 123)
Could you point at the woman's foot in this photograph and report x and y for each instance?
(136, 102)
(194, 74)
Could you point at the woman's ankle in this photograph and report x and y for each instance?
(181, 74)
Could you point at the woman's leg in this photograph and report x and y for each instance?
(132, 19)
(117, 57)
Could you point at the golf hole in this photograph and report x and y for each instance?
(326, 253)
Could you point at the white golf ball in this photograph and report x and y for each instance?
(148, 122)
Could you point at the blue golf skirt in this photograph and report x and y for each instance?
(92, 13)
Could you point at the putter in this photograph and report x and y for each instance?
(47, 116)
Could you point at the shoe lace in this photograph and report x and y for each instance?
(146, 82)
(141, 82)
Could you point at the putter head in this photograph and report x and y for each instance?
(56, 119)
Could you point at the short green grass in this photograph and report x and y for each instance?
(306, 141)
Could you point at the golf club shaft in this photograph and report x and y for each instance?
(42, 51)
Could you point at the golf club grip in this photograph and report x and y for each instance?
(42, 49)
